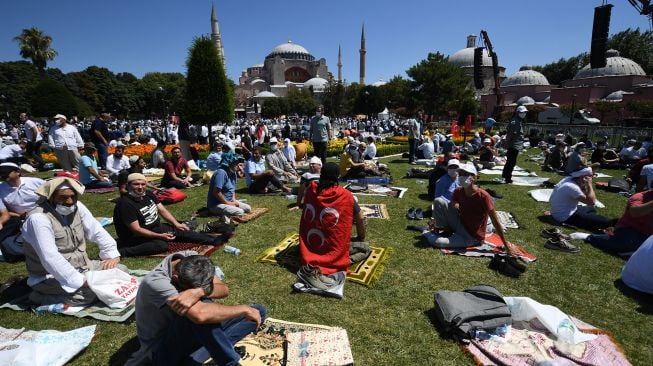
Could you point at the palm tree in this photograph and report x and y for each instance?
(35, 45)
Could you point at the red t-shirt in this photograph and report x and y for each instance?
(179, 169)
(474, 210)
(643, 224)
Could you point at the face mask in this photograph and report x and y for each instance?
(318, 114)
(59, 122)
(453, 173)
(65, 210)
(274, 148)
(521, 115)
(465, 181)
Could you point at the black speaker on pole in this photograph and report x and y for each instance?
(600, 35)
(478, 67)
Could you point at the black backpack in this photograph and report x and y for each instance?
(479, 308)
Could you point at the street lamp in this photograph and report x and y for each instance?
(573, 107)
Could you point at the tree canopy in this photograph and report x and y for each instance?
(35, 45)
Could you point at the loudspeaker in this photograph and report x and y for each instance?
(600, 35)
(478, 67)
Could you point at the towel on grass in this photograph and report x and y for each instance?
(529, 181)
(544, 195)
(491, 246)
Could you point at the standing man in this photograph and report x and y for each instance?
(34, 139)
(514, 142)
(100, 137)
(65, 140)
(413, 137)
(320, 133)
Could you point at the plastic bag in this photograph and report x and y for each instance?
(113, 287)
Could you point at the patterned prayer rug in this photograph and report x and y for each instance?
(489, 248)
(378, 190)
(174, 247)
(507, 220)
(254, 213)
(318, 348)
(101, 190)
(366, 272)
(266, 347)
(374, 210)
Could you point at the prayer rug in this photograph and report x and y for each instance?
(254, 213)
(489, 248)
(15, 296)
(366, 272)
(105, 221)
(507, 220)
(101, 190)
(529, 181)
(318, 348)
(382, 191)
(529, 343)
(500, 168)
(267, 346)
(515, 173)
(544, 195)
(174, 247)
(370, 180)
(374, 211)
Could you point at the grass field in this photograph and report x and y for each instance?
(389, 324)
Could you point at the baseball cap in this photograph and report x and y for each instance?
(469, 168)
(455, 162)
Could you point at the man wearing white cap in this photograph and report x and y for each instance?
(514, 142)
(65, 141)
(279, 164)
(487, 154)
(313, 174)
(568, 193)
(55, 235)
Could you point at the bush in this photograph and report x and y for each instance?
(50, 98)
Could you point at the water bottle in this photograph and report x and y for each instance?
(565, 335)
(232, 250)
(52, 308)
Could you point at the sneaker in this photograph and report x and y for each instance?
(411, 213)
(561, 245)
(554, 233)
(419, 214)
(515, 263)
(499, 180)
(500, 264)
(313, 276)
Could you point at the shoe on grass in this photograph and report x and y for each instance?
(313, 276)
(411, 213)
(418, 214)
(561, 245)
(554, 233)
(500, 264)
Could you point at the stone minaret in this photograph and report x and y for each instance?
(362, 52)
(339, 65)
(215, 36)
(471, 41)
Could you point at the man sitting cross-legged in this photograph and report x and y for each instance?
(139, 229)
(221, 198)
(258, 179)
(176, 316)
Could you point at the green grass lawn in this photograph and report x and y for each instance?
(389, 324)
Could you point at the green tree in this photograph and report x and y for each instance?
(563, 69)
(274, 107)
(351, 93)
(635, 45)
(369, 101)
(35, 45)
(301, 101)
(162, 93)
(209, 94)
(438, 85)
(17, 81)
(51, 97)
(333, 99)
(399, 96)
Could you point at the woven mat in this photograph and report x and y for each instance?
(489, 248)
(366, 273)
(101, 190)
(318, 348)
(266, 347)
(374, 211)
(528, 343)
(507, 220)
(15, 296)
(174, 247)
(254, 213)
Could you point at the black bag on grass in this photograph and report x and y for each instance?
(479, 308)
(618, 185)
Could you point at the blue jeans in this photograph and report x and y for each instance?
(624, 240)
(587, 218)
(102, 155)
(216, 340)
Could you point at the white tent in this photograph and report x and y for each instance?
(385, 115)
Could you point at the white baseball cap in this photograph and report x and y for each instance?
(455, 162)
(469, 168)
(521, 109)
(274, 140)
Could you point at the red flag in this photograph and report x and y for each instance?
(455, 129)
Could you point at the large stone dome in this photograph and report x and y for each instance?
(291, 50)
(615, 66)
(317, 83)
(465, 58)
(525, 76)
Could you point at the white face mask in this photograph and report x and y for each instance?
(59, 122)
(465, 181)
(318, 114)
(274, 147)
(522, 115)
(65, 210)
(453, 173)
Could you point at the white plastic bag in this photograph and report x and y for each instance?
(113, 287)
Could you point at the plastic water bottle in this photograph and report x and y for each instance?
(565, 335)
(232, 250)
(52, 308)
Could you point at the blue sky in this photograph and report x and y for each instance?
(141, 36)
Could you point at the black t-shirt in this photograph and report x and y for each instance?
(129, 209)
(99, 125)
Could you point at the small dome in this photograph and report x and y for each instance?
(616, 96)
(465, 58)
(265, 94)
(525, 100)
(615, 66)
(379, 83)
(255, 66)
(317, 83)
(525, 76)
(290, 50)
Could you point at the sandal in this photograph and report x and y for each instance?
(561, 245)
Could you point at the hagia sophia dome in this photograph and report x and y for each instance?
(291, 51)
(615, 66)
(525, 76)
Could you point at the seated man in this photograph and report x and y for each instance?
(89, 174)
(635, 173)
(258, 179)
(14, 153)
(139, 228)
(177, 172)
(176, 316)
(213, 159)
(313, 174)
(279, 164)
(556, 158)
(426, 150)
(370, 150)
(55, 234)
(352, 165)
(448, 183)
(325, 228)
(117, 162)
(571, 191)
(638, 272)
(487, 154)
(575, 159)
(608, 159)
(221, 198)
(633, 227)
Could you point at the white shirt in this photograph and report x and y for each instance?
(29, 132)
(11, 151)
(564, 199)
(37, 231)
(647, 171)
(20, 199)
(638, 271)
(115, 165)
(370, 151)
(428, 149)
(204, 131)
(65, 138)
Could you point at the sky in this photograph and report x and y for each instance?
(141, 36)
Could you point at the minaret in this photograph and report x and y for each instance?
(215, 36)
(339, 65)
(362, 52)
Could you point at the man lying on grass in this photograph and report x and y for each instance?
(465, 218)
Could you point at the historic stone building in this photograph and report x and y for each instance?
(464, 59)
